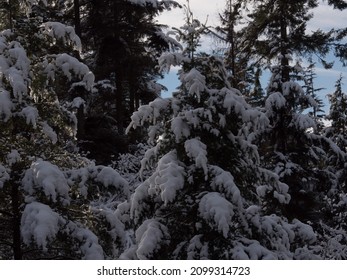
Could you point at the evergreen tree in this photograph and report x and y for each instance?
(277, 33)
(126, 42)
(335, 226)
(207, 196)
(317, 112)
(238, 52)
(54, 203)
(337, 115)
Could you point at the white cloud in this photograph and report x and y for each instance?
(330, 72)
(326, 18)
(202, 10)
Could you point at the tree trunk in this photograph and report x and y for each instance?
(119, 102)
(16, 238)
(284, 44)
(10, 14)
(81, 121)
(77, 17)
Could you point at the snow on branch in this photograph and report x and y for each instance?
(167, 60)
(47, 177)
(303, 122)
(110, 177)
(28, 4)
(172, 43)
(6, 105)
(195, 83)
(4, 176)
(13, 157)
(150, 237)
(14, 67)
(217, 211)
(72, 66)
(149, 113)
(88, 241)
(196, 150)
(247, 249)
(30, 114)
(275, 101)
(223, 182)
(40, 224)
(63, 32)
(168, 177)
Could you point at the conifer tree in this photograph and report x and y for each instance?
(238, 53)
(209, 196)
(51, 198)
(337, 115)
(126, 42)
(277, 33)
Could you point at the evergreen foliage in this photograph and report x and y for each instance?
(223, 169)
(50, 196)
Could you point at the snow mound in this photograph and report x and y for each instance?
(196, 150)
(195, 83)
(6, 105)
(39, 223)
(61, 31)
(110, 177)
(303, 122)
(13, 157)
(49, 132)
(150, 236)
(217, 211)
(90, 248)
(168, 177)
(275, 100)
(30, 114)
(49, 178)
(71, 65)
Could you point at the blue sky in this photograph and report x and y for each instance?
(325, 18)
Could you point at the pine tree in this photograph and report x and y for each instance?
(208, 196)
(126, 42)
(236, 53)
(310, 90)
(277, 33)
(334, 226)
(54, 203)
(337, 115)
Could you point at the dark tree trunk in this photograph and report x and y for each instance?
(284, 44)
(77, 17)
(81, 122)
(119, 102)
(17, 249)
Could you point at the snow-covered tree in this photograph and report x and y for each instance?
(309, 86)
(53, 202)
(207, 196)
(337, 116)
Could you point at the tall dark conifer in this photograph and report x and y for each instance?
(126, 41)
